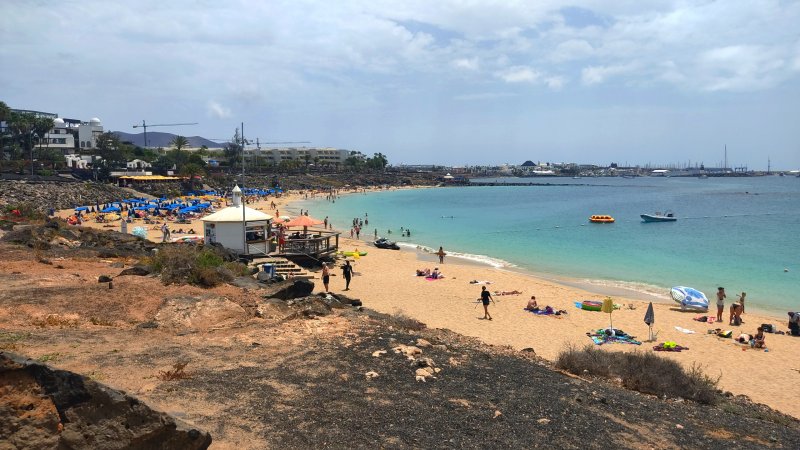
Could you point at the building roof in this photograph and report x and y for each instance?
(234, 214)
(150, 178)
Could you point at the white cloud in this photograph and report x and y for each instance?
(571, 50)
(519, 74)
(555, 83)
(483, 96)
(740, 67)
(466, 63)
(216, 110)
(599, 74)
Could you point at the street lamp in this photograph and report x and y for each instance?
(30, 145)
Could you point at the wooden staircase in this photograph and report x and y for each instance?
(284, 267)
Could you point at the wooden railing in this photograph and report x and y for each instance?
(318, 243)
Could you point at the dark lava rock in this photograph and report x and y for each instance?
(347, 300)
(47, 408)
(104, 279)
(298, 288)
(138, 270)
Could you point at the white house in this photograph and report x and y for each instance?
(60, 137)
(80, 162)
(88, 133)
(226, 227)
(138, 164)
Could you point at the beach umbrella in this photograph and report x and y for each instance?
(303, 221)
(689, 297)
(608, 307)
(650, 319)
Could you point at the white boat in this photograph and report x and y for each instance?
(659, 217)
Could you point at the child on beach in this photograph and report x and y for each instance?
(759, 338)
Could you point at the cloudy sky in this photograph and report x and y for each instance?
(449, 82)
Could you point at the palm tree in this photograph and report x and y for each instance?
(179, 142)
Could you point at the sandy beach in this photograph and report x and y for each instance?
(385, 280)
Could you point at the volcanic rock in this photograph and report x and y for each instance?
(47, 408)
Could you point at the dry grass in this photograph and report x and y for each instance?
(643, 372)
(56, 320)
(177, 373)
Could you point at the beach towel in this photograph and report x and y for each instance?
(547, 311)
(707, 319)
(600, 337)
(684, 330)
(669, 346)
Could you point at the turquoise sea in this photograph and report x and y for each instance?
(740, 233)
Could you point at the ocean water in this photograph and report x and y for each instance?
(740, 233)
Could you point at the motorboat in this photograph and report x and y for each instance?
(601, 219)
(387, 244)
(659, 217)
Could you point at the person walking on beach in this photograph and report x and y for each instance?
(485, 298)
(441, 254)
(347, 272)
(720, 302)
(326, 276)
(164, 233)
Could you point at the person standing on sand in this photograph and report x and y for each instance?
(347, 272)
(441, 254)
(485, 298)
(720, 302)
(741, 300)
(326, 276)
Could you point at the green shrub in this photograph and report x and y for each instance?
(643, 372)
(185, 263)
(208, 258)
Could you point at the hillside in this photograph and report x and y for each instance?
(161, 139)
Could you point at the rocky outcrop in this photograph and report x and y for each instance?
(199, 313)
(55, 234)
(43, 195)
(44, 408)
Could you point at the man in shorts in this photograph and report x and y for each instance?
(485, 298)
(326, 276)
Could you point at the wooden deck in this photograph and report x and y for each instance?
(315, 244)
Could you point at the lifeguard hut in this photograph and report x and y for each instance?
(239, 228)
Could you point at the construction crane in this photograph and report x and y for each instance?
(145, 125)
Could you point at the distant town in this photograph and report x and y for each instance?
(43, 143)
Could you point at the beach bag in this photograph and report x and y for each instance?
(768, 327)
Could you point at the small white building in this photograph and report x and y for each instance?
(60, 137)
(226, 227)
(138, 164)
(88, 133)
